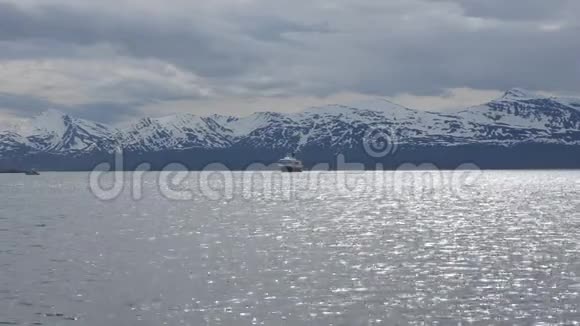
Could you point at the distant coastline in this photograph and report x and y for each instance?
(12, 171)
(408, 157)
(18, 171)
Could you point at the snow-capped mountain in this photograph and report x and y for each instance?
(523, 116)
(518, 117)
(56, 132)
(174, 132)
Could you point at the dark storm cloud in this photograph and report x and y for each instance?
(304, 48)
(138, 36)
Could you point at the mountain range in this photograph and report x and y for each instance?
(518, 130)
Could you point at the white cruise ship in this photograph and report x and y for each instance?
(290, 164)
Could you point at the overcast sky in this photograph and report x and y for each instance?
(113, 60)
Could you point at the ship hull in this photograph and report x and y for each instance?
(291, 169)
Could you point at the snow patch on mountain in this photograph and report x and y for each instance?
(174, 132)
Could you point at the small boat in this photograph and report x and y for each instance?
(290, 164)
(31, 172)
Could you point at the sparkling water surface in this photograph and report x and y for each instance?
(504, 250)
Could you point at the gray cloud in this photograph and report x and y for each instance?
(106, 112)
(493, 58)
(279, 49)
(517, 10)
(276, 29)
(141, 37)
(23, 105)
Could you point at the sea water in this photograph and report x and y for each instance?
(502, 249)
